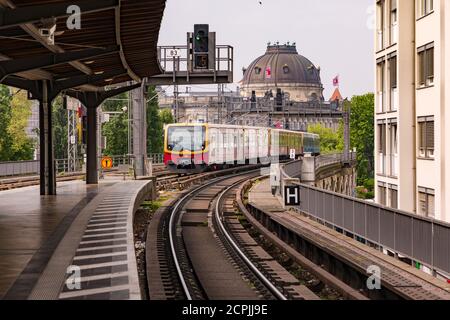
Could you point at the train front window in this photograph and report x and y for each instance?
(190, 138)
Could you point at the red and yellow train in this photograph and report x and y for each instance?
(192, 148)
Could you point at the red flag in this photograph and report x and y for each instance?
(336, 81)
(268, 73)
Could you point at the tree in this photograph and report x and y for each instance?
(22, 146)
(166, 116)
(116, 130)
(362, 137)
(15, 111)
(60, 129)
(330, 141)
(5, 118)
(154, 123)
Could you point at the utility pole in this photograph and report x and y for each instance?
(175, 102)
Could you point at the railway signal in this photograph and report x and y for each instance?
(203, 47)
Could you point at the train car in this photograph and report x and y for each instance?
(197, 147)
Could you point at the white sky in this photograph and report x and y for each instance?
(334, 34)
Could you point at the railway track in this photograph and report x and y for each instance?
(199, 250)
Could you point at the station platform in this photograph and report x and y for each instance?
(84, 236)
(407, 280)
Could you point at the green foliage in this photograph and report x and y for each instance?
(15, 111)
(330, 141)
(156, 119)
(166, 116)
(116, 133)
(362, 137)
(154, 124)
(60, 129)
(116, 130)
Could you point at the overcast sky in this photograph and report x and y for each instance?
(334, 34)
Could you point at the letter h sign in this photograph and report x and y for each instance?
(291, 195)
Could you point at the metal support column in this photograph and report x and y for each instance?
(47, 158)
(139, 124)
(92, 167)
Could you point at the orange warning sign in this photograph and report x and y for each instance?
(107, 163)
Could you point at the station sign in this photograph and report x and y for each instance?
(107, 163)
(292, 195)
(175, 53)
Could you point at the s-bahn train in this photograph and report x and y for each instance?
(193, 148)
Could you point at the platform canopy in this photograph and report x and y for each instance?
(117, 43)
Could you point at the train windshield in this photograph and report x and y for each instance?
(189, 138)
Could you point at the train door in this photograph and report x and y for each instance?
(253, 146)
(229, 145)
(246, 144)
(212, 146)
(240, 146)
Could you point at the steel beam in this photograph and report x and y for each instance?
(32, 86)
(85, 79)
(8, 67)
(34, 13)
(94, 99)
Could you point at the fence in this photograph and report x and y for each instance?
(335, 158)
(423, 240)
(21, 168)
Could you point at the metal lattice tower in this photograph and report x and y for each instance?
(72, 133)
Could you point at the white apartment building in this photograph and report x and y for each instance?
(412, 116)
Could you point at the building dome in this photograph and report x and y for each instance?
(281, 67)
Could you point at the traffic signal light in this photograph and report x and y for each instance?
(201, 46)
(201, 38)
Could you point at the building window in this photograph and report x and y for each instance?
(425, 7)
(393, 196)
(381, 86)
(258, 70)
(382, 193)
(382, 148)
(426, 202)
(394, 20)
(393, 148)
(285, 69)
(426, 137)
(425, 66)
(380, 24)
(393, 93)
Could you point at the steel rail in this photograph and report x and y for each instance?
(273, 289)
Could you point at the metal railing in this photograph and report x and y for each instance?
(21, 168)
(335, 158)
(418, 238)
